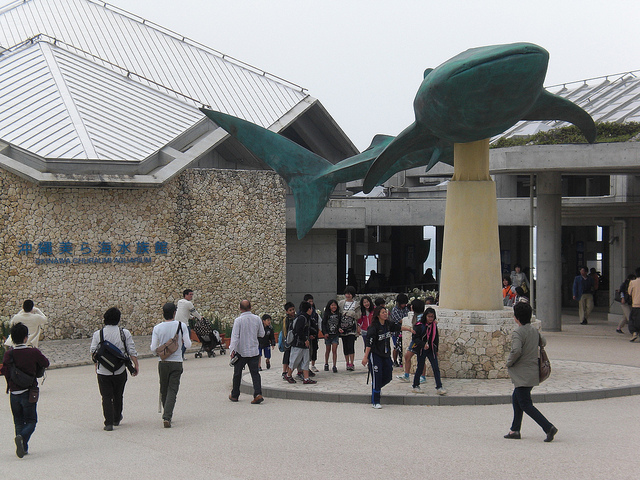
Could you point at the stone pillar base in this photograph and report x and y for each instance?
(473, 344)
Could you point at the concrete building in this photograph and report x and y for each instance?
(94, 97)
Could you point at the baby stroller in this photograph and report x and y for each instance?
(209, 338)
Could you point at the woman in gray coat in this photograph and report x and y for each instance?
(524, 373)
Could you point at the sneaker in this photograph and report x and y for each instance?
(268, 364)
(395, 364)
(619, 331)
(326, 367)
(349, 367)
(314, 369)
(634, 337)
(417, 389)
(308, 381)
(376, 405)
(300, 375)
(423, 379)
(441, 391)
(19, 446)
(107, 428)
(334, 370)
(404, 378)
(284, 376)
(311, 374)
(584, 322)
(166, 423)
(259, 369)
(290, 379)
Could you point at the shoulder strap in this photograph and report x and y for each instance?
(102, 335)
(179, 329)
(124, 342)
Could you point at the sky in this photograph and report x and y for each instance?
(364, 59)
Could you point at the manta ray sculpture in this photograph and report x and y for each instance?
(475, 95)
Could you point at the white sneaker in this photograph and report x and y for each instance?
(423, 379)
(441, 391)
(417, 389)
(376, 405)
(314, 369)
(404, 378)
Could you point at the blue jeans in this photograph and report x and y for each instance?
(433, 360)
(522, 402)
(25, 416)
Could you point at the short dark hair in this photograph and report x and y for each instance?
(522, 311)
(350, 289)
(402, 299)
(27, 306)
(186, 292)
(266, 316)
(168, 310)
(507, 278)
(288, 305)
(304, 307)
(418, 306)
(19, 332)
(379, 301)
(112, 316)
(308, 296)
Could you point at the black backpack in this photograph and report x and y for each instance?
(110, 356)
(20, 378)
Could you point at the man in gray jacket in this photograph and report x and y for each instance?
(523, 370)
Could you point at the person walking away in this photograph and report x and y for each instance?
(378, 353)
(583, 293)
(23, 405)
(33, 318)
(522, 364)
(625, 302)
(111, 384)
(169, 369)
(247, 328)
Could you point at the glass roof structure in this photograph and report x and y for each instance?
(613, 98)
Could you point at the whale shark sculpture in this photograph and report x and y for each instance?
(477, 94)
(473, 96)
(312, 178)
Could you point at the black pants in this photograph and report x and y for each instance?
(522, 403)
(112, 390)
(252, 362)
(634, 320)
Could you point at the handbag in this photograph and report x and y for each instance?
(544, 365)
(617, 297)
(170, 346)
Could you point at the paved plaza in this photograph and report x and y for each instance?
(283, 438)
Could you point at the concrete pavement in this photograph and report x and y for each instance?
(215, 438)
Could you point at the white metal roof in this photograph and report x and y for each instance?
(613, 98)
(56, 104)
(153, 53)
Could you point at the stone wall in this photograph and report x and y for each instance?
(224, 232)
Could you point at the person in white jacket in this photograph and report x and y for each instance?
(33, 318)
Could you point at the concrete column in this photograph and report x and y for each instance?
(548, 251)
(471, 278)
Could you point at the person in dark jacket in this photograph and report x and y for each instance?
(425, 342)
(314, 330)
(378, 352)
(300, 347)
(330, 328)
(267, 342)
(23, 405)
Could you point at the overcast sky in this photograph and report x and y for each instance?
(364, 60)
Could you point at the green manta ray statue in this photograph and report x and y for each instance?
(473, 96)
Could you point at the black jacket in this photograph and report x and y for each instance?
(378, 337)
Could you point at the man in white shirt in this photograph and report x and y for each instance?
(33, 318)
(244, 345)
(169, 369)
(186, 311)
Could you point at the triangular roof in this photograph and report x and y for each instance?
(91, 94)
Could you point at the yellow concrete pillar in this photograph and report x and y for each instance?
(471, 277)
